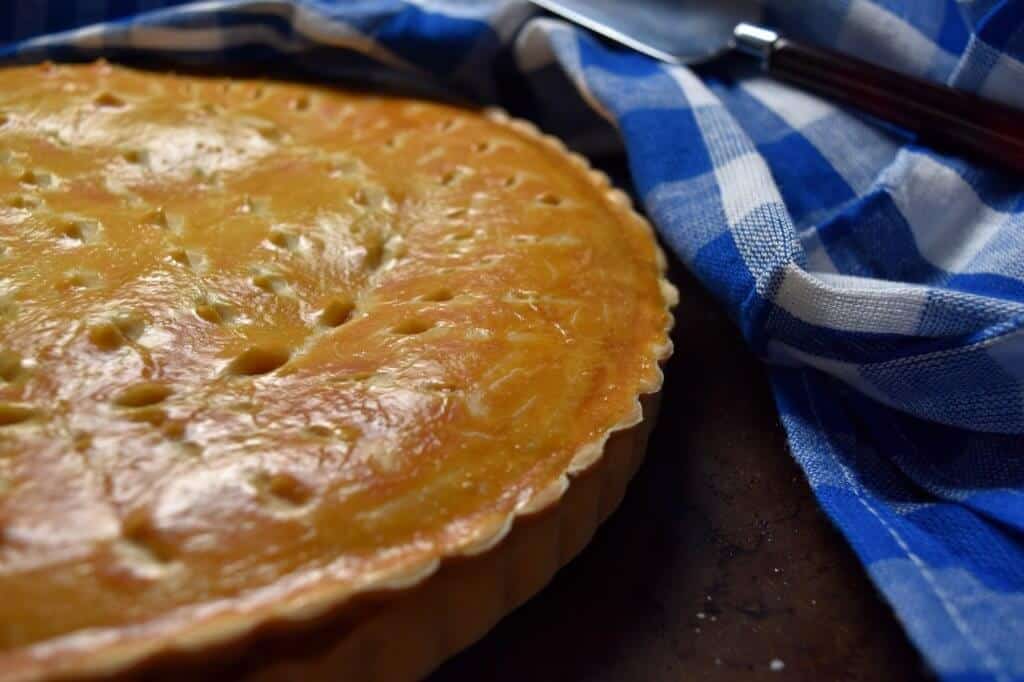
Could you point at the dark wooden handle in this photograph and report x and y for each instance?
(943, 117)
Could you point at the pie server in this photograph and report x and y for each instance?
(695, 31)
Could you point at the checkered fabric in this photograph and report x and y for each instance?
(882, 281)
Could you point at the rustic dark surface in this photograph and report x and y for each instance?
(718, 561)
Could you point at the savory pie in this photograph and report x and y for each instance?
(275, 356)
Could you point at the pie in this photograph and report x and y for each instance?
(277, 358)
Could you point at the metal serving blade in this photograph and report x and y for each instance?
(675, 31)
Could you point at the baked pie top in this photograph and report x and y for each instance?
(265, 346)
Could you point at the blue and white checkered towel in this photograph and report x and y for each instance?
(882, 281)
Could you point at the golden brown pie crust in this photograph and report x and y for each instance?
(266, 348)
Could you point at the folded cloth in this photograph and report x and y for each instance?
(882, 281)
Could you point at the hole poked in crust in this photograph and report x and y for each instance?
(411, 327)
(549, 199)
(258, 360)
(454, 176)
(24, 201)
(439, 295)
(138, 157)
(271, 282)
(142, 546)
(448, 125)
(108, 100)
(17, 413)
(188, 258)
(215, 312)
(336, 313)
(38, 178)
(143, 394)
(81, 230)
(78, 279)
(10, 365)
(282, 490)
(120, 329)
(301, 103)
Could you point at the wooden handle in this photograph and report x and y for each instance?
(945, 118)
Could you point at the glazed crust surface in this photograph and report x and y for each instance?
(265, 346)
